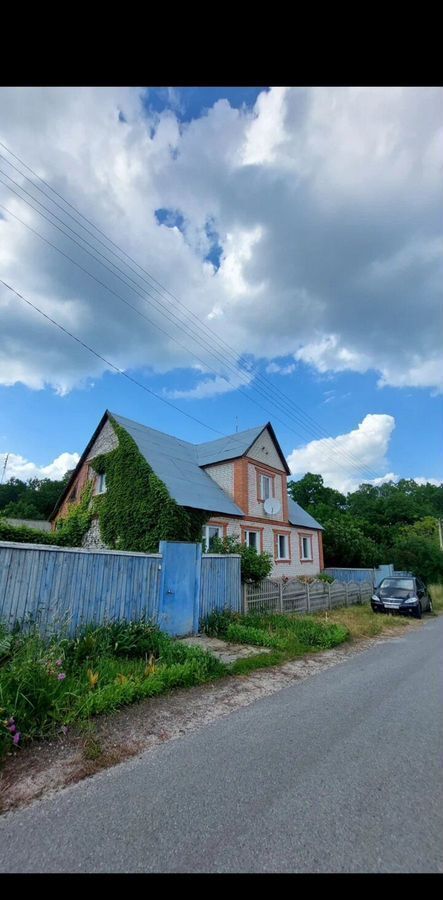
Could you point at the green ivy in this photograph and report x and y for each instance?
(72, 528)
(137, 511)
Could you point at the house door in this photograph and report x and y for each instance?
(180, 587)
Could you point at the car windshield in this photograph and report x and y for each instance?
(396, 587)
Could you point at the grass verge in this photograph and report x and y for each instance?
(46, 686)
(436, 592)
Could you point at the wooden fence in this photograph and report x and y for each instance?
(293, 596)
(62, 589)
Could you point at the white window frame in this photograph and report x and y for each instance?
(306, 537)
(100, 484)
(249, 531)
(285, 537)
(270, 480)
(206, 537)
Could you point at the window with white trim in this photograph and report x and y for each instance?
(100, 484)
(251, 539)
(306, 547)
(283, 546)
(210, 532)
(265, 487)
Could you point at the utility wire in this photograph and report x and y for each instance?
(130, 305)
(201, 324)
(258, 376)
(107, 361)
(343, 455)
(346, 455)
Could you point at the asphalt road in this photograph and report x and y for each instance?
(340, 773)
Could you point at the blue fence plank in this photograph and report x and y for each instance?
(62, 589)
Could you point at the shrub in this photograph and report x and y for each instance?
(329, 579)
(254, 566)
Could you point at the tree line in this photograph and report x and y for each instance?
(33, 499)
(393, 523)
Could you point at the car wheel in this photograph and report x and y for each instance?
(418, 612)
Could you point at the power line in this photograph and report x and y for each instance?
(344, 455)
(323, 434)
(108, 362)
(151, 322)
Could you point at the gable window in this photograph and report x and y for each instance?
(266, 486)
(251, 539)
(306, 547)
(210, 533)
(100, 484)
(283, 546)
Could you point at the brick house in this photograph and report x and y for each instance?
(240, 480)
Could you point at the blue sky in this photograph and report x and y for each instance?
(285, 220)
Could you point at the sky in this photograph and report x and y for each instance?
(243, 255)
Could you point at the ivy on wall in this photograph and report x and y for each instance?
(137, 511)
(71, 528)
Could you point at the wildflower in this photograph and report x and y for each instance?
(92, 678)
(12, 728)
(58, 662)
(61, 676)
(16, 738)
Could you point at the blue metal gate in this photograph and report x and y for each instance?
(180, 587)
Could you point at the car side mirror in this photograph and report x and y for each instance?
(420, 593)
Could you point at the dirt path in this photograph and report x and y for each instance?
(48, 766)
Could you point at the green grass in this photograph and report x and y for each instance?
(436, 592)
(47, 684)
(288, 637)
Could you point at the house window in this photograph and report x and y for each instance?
(266, 486)
(283, 546)
(100, 484)
(306, 548)
(251, 539)
(210, 532)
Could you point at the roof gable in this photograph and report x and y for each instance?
(234, 445)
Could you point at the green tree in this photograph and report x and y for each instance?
(419, 555)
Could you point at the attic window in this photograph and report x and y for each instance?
(100, 484)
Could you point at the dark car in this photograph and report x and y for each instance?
(403, 594)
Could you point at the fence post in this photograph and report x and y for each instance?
(347, 594)
(329, 596)
(308, 599)
(280, 598)
(359, 592)
(245, 597)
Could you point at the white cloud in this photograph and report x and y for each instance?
(422, 480)
(340, 459)
(325, 203)
(367, 445)
(20, 467)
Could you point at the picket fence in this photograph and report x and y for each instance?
(294, 596)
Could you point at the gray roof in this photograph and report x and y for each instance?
(229, 447)
(177, 464)
(298, 516)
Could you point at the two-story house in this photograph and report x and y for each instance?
(239, 480)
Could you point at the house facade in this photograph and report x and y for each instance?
(239, 480)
